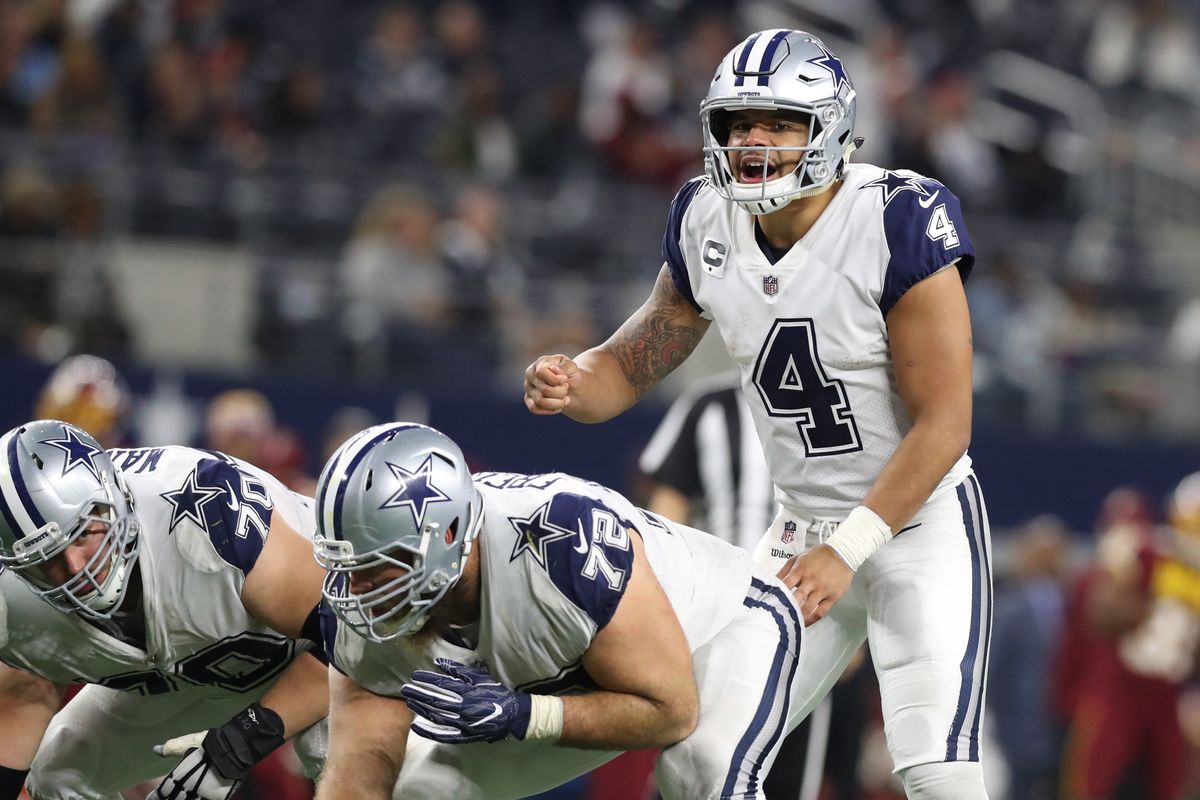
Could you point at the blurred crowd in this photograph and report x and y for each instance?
(429, 187)
(1093, 689)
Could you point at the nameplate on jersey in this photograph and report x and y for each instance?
(713, 255)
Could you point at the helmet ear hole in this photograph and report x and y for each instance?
(451, 532)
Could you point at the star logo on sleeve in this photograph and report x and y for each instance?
(188, 501)
(828, 61)
(79, 452)
(893, 183)
(534, 533)
(417, 489)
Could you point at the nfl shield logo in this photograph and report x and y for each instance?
(789, 528)
(770, 284)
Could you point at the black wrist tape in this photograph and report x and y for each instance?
(242, 742)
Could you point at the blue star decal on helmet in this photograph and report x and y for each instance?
(893, 183)
(416, 489)
(78, 452)
(833, 64)
(188, 501)
(535, 532)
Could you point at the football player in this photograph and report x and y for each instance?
(545, 615)
(838, 290)
(179, 585)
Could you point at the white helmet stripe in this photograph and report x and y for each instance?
(329, 504)
(12, 489)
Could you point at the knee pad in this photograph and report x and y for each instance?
(948, 780)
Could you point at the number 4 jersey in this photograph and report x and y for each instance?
(809, 331)
(204, 519)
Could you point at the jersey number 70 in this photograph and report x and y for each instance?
(792, 383)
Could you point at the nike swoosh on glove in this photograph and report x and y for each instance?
(465, 704)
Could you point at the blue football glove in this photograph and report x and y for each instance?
(465, 704)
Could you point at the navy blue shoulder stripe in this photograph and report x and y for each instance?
(925, 232)
(672, 253)
(234, 508)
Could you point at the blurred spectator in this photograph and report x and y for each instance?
(89, 392)
(485, 301)
(178, 101)
(476, 138)
(400, 84)
(1141, 615)
(394, 282)
(344, 423)
(241, 423)
(626, 104)
(1026, 632)
(86, 304)
(1149, 44)
(82, 100)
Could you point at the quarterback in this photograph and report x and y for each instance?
(524, 629)
(178, 584)
(838, 290)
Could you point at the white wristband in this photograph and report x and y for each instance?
(545, 718)
(861, 533)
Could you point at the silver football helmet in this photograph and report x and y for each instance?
(398, 494)
(780, 70)
(56, 484)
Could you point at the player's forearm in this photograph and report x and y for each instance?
(924, 456)
(29, 703)
(618, 721)
(603, 390)
(301, 695)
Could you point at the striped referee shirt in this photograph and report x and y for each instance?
(707, 449)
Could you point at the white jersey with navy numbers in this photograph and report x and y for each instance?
(809, 332)
(204, 518)
(556, 559)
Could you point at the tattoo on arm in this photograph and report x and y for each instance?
(658, 337)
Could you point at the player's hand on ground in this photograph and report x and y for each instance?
(194, 777)
(818, 578)
(548, 384)
(465, 704)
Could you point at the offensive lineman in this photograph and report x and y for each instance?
(837, 288)
(533, 626)
(176, 583)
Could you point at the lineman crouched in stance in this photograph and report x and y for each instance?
(179, 585)
(544, 614)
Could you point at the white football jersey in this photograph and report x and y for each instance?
(809, 331)
(204, 519)
(556, 559)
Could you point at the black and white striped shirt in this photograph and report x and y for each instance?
(706, 448)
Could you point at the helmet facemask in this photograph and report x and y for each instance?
(396, 497)
(819, 162)
(98, 588)
(58, 485)
(402, 605)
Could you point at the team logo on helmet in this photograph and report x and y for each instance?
(833, 64)
(79, 452)
(415, 488)
(770, 284)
